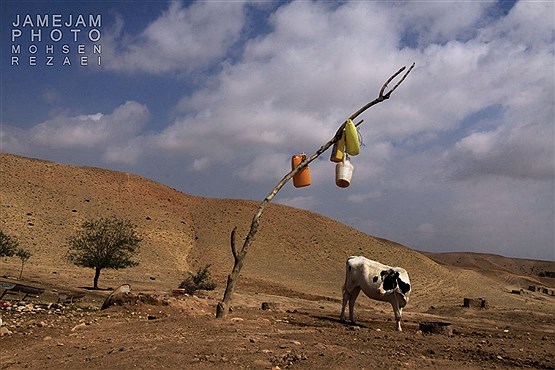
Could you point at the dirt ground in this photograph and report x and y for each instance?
(181, 332)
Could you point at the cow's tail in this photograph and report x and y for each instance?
(348, 269)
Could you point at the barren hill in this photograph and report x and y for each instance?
(295, 252)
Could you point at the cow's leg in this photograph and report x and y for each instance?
(352, 298)
(345, 300)
(397, 311)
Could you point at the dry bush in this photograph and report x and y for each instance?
(199, 281)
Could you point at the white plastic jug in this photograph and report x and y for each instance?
(344, 172)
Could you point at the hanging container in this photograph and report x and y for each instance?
(338, 150)
(301, 178)
(352, 144)
(344, 172)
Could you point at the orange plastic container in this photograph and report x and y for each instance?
(301, 178)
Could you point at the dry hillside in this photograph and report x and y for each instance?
(520, 272)
(295, 253)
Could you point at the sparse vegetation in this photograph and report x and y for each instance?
(23, 255)
(549, 274)
(107, 243)
(8, 245)
(199, 281)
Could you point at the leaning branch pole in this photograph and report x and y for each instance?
(239, 256)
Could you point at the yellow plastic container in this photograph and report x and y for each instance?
(301, 178)
(338, 150)
(352, 144)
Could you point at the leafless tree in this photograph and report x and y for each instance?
(239, 255)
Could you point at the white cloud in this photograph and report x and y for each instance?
(125, 152)
(201, 164)
(181, 39)
(12, 139)
(91, 130)
(529, 23)
(304, 202)
(70, 132)
(292, 87)
(440, 22)
(526, 151)
(363, 197)
(264, 167)
(114, 136)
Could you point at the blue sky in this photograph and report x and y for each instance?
(213, 98)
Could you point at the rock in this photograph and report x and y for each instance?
(79, 326)
(475, 302)
(437, 327)
(5, 331)
(120, 292)
(269, 305)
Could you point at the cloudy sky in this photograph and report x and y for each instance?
(213, 98)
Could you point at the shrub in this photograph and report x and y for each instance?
(199, 281)
(8, 245)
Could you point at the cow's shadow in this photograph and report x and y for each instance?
(337, 320)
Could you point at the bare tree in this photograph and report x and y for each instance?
(239, 256)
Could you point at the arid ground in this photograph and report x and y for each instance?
(296, 265)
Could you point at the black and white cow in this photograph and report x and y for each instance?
(377, 281)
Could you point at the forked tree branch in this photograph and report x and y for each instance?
(224, 305)
(233, 249)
